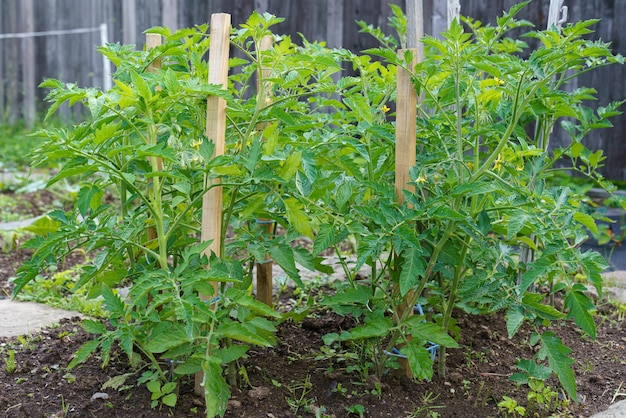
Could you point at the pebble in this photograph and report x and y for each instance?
(259, 393)
(99, 395)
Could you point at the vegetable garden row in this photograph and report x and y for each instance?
(436, 167)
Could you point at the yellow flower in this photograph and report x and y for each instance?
(497, 164)
(498, 81)
(196, 143)
(385, 109)
(421, 179)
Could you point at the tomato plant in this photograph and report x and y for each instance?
(312, 151)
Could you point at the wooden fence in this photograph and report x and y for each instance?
(24, 62)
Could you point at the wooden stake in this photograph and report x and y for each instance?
(406, 121)
(153, 40)
(216, 132)
(264, 279)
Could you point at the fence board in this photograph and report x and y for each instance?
(73, 58)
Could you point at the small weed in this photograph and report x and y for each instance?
(162, 394)
(65, 407)
(10, 365)
(356, 409)
(298, 395)
(340, 389)
(427, 409)
(510, 407)
(587, 367)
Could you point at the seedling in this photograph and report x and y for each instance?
(10, 365)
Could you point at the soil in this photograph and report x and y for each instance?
(287, 380)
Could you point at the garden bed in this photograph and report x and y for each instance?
(300, 377)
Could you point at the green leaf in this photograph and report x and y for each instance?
(534, 370)
(169, 400)
(532, 302)
(559, 361)
(291, 166)
(141, 86)
(297, 218)
(216, 390)
(166, 335)
(514, 320)
(324, 239)
(517, 221)
(587, 221)
(83, 353)
(283, 256)
(427, 331)
(88, 197)
(93, 327)
(579, 306)
(412, 269)
(374, 328)
(240, 332)
(419, 359)
(344, 193)
(43, 226)
(232, 353)
(113, 303)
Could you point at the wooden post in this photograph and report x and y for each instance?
(153, 40)
(264, 279)
(129, 21)
(28, 63)
(216, 132)
(406, 119)
(557, 14)
(454, 10)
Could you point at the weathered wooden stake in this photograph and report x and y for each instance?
(264, 279)
(406, 119)
(216, 132)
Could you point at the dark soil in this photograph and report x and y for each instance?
(288, 380)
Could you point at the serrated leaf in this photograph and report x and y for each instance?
(324, 239)
(587, 221)
(113, 303)
(419, 360)
(87, 198)
(412, 269)
(240, 332)
(517, 221)
(559, 361)
(283, 256)
(232, 353)
(117, 382)
(166, 335)
(579, 306)
(216, 390)
(291, 166)
(532, 302)
(534, 370)
(83, 353)
(93, 327)
(344, 193)
(374, 328)
(427, 331)
(475, 188)
(297, 218)
(43, 226)
(514, 320)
